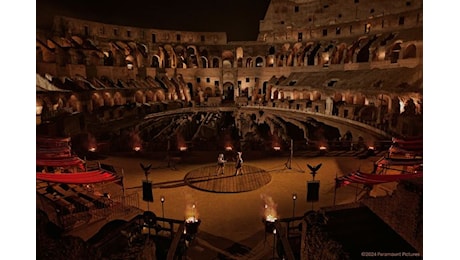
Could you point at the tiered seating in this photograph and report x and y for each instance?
(402, 168)
(64, 176)
(407, 147)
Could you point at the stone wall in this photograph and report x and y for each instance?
(403, 211)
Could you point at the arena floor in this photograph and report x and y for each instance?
(231, 208)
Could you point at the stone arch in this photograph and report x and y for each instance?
(117, 99)
(108, 100)
(74, 103)
(360, 50)
(339, 53)
(306, 94)
(260, 62)
(316, 95)
(155, 62)
(280, 60)
(239, 62)
(118, 56)
(108, 58)
(180, 51)
(226, 64)
(204, 62)
(311, 55)
(140, 60)
(349, 98)
(239, 52)
(149, 96)
(337, 97)
(139, 97)
(160, 95)
(249, 62)
(192, 57)
(395, 50)
(384, 102)
(275, 94)
(229, 91)
(326, 54)
(410, 51)
(129, 59)
(296, 94)
(227, 59)
(216, 62)
(170, 57)
(270, 61)
(96, 101)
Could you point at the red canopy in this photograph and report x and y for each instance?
(96, 176)
(60, 152)
(50, 142)
(367, 178)
(399, 161)
(64, 162)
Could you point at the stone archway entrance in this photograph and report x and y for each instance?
(229, 92)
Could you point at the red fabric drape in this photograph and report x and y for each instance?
(78, 178)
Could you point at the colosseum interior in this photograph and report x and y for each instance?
(340, 75)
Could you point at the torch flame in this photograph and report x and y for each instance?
(270, 213)
(191, 213)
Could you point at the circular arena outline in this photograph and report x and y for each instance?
(205, 179)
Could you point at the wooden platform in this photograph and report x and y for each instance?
(205, 179)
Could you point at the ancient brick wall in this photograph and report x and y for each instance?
(403, 211)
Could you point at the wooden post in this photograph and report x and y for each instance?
(303, 246)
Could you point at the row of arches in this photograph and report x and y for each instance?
(77, 103)
(136, 55)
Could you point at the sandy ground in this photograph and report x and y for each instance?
(237, 217)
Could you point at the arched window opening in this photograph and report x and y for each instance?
(239, 63)
(215, 63)
(249, 63)
(259, 62)
(410, 52)
(395, 53)
(155, 62)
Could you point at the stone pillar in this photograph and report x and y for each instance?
(329, 106)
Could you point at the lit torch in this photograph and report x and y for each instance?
(191, 222)
(270, 215)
